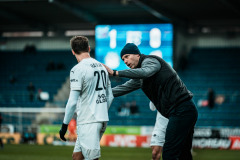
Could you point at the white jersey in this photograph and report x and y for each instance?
(91, 78)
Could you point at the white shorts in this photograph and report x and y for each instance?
(88, 139)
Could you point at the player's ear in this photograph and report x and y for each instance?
(73, 52)
(89, 49)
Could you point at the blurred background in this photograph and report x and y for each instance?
(200, 39)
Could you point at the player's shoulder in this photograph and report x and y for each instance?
(74, 68)
(94, 64)
(78, 68)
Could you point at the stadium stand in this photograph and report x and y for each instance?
(26, 68)
(216, 68)
(31, 68)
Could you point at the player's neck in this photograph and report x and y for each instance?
(82, 56)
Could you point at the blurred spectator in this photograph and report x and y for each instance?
(12, 79)
(0, 121)
(72, 130)
(1, 142)
(31, 90)
(211, 98)
(26, 49)
(61, 66)
(33, 49)
(42, 96)
(29, 136)
(50, 66)
(183, 60)
(220, 99)
(124, 110)
(235, 97)
(39, 94)
(202, 103)
(29, 49)
(134, 108)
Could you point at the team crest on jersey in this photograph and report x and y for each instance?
(101, 99)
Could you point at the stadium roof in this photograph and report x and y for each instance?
(62, 15)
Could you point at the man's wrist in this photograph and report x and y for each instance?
(114, 72)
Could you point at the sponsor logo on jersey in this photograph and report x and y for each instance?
(101, 99)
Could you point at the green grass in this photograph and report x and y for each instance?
(49, 152)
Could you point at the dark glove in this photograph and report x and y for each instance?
(63, 131)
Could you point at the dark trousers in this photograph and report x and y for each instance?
(179, 132)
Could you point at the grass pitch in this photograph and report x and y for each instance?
(49, 152)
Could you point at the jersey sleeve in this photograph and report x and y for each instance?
(71, 106)
(76, 77)
(159, 131)
(109, 94)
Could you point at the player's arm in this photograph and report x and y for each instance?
(69, 111)
(127, 87)
(76, 87)
(158, 134)
(159, 130)
(109, 94)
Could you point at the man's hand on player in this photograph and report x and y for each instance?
(156, 152)
(110, 71)
(63, 131)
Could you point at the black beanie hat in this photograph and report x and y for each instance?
(130, 48)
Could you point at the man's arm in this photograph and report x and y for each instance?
(149, 67)
(127, 87)
(69, 111)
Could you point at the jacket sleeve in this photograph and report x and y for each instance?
(127, 87)
(149, 67)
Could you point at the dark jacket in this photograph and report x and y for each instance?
(165, 89)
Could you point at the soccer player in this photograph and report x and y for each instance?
(161, 84)
(91, 96)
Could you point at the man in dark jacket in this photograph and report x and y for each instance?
(165, 89)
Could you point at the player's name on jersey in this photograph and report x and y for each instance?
(94, 65)
(73, 80)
